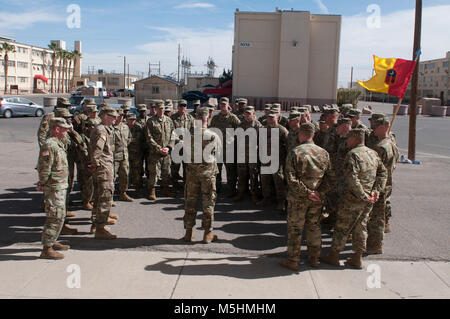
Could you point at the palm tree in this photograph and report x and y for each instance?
(54, 48)
(7, 48)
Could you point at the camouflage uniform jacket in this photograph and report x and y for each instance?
(364, 173)
(52, 165)
(282, 144)
(263, 119)
(77, 147)
(283, 121)
(224, 121)
(158, 133)
(78, 122)
(208, 165)
(122, 137)
(330, 142)
(185, 121)
(246, 125)
(137, 140)
(44, 128)
(341, 152)
(389, 154)
(307, 169)
(292, 139)
(101, 148)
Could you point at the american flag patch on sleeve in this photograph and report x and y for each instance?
(45, 153)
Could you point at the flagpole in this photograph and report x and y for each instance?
(395, 114)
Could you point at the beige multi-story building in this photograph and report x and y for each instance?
(157, 87)
(434, 79)
(29, 61)
(289, 57)
(113, 81)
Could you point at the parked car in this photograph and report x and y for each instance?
(79, 91)
(190, 96)
(19, 106)
(133, 108)
(119, 92)
(78, 101)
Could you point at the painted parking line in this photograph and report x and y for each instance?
(423, 154)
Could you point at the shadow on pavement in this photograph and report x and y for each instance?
(10, 254)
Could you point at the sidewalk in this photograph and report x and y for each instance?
(192, 275)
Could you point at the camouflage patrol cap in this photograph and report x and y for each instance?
(196, 102)
(376, 116)
(62, 102)
(295, 115)
(61, 112)
(307, 127)
(330, 110)
(295, 108)
(344, 120)
(168, 102)
(276, 107)
(167, 108)
(322, 118)
(108, 110)
(131, 116)
(273, 113)
(308, 107)
(202, 111)
(159, 104)
(267, 106)
(90, 108)
(125, 107)
(59, 121)
(182, 103)
(141, 107)
(249, 109)
(89, 100)
(354, 113)
(224, 99)
(119, 111)
(303, 109)
(381, 121)
(357, 132)
(242, 101)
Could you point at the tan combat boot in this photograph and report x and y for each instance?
(209, 237)
(110, 221)
(88, 206)
(189, 235)
(113, 216)
(93, 229)
(332, 258)
(124, 197)
(152, 194)
(289, 264)
(387, 228)
(67, 230)
(238, 197)
(50, 253)
(374, 250)
(70, 214)
(59, 246)
(313, 261)
(104, 233)
(355, 261)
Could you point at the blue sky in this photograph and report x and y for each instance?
(150, 30)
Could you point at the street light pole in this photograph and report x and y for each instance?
(414, 81)
(124, 75)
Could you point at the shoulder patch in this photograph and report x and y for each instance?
(103, 137)
(45, 153)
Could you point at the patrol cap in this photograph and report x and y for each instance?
(62, 102)
(224, 99)
(307, 127)
(167, 108)
(201, 111)
(131, 116)
(210, 106)
(90, 108)
(159, 104)
(89, 100)
(61, 112)
(182, 103)
(344, 120)
(141, 107)
(267, 106)
(59, 121)
(322, 118)
(242, 101)
(168, 102)
(196, 102)
(249, 109)
(295, 108)
(125, 107)
(273, 113)
(119, 111)
(308, 107)
(276, 106)
(108, 110)
(294, 115)
(354, 113)
(303, 109)
(330, 110)
(376, 116)
(357, 132)
(382, 121)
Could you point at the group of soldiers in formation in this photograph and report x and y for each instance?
(335, 172)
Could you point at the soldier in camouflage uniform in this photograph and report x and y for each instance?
(294, 125)
(320, 134)
(101, 150)
(158, 136)
(182, 121)
(365, 178)
(135, 153)
(53, 173)
(389, 154)
(122, 138)
(281, 119)
(44, 126)
(249, 171)
(196, 104)
(241, 103)
(307, 175)
(355, 116)
(201, 179)
(277, 178)
(87, 192)
(262, 119)
(223, 120)
(79, 119)
(141, 156)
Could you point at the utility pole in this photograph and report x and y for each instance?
(128, 80)
(413, 102)
(179, 57)
(124, 75)
(351, 78)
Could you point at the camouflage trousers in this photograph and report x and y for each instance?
(332, 199)
(231, 171)
(103, 196)
(157, 164)
(246, 172)
(196, 186)
(136, 169)
(278, 181)
(375, 225)
(87, 192)
(303, 214)
(55, 208)
(388, 212)
(122, 171)
(352, 219)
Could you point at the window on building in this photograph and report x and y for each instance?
(155, 89)
(421, 67)
(23, 65)
(11, 80)
(445, 64)
(113, 81)
(23, 79)
(437, 83)
(429, 66)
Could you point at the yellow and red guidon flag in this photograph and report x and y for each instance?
(392, 76)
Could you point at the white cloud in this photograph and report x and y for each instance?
(393, 39)
(20, 21)
(190, 5)
(323, 8)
